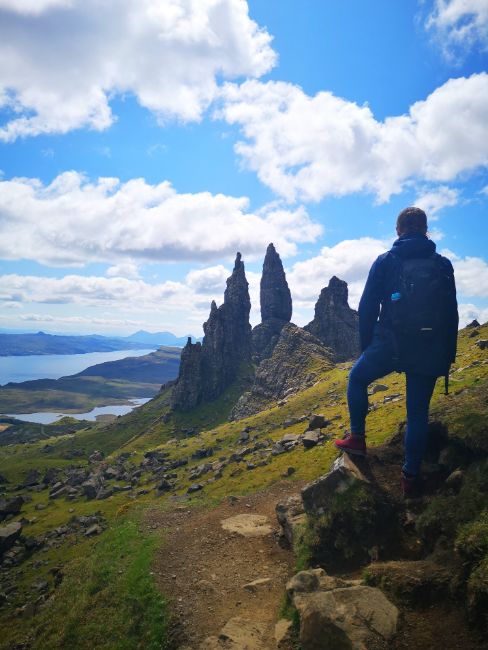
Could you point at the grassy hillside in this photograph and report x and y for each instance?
(186, 442)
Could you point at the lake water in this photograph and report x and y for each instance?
(48, 418)
(54, 366)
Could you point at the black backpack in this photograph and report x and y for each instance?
(419, 297)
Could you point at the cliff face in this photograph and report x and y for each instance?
(276, 306)
(207, 369)
(335, 323)
(286, 371)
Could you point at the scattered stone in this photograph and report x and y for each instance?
(32, 478)
(96, 529)
(10, 506)
(195, 487)
(96, 457)
(255, 584)
(394, 397)
(9, 534)
(377, 388)
(248, 525)
(455, 479)
(482, 344)
(311, 438)
(291, 516)
(317, 422)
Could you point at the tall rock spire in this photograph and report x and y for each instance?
(205, 373)
(276, 306)
(335, 323)
(275, 295)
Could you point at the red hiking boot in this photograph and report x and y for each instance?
(411, 486)
(352, 444)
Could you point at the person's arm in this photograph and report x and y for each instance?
(452, 316)
(369, 306)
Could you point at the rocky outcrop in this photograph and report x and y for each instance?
(287, 370)
(207, 369)
(275, 295)
(335, 323)
(276, 306)
(339, 614)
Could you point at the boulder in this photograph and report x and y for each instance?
(344, 472)
(96, 457)
(291, 516)
(32, 478)
(340, 615)
(317, 422)
(9, 534)
(10, 506)
(311, 438)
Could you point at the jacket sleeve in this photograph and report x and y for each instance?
(451, 315)
(369, 305)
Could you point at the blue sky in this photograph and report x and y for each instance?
(142, 143)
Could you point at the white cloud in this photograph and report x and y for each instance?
(349, 260)
(62, 61)
(125, 270)
(434, 200)
(468, 312)
(307, 148)
(33, 7)
(459, 26)
(73, 221)
(471, 276)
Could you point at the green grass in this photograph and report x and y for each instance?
(107, 600)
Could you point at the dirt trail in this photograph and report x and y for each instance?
(203, 567)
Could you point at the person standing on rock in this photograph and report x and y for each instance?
(408, 322)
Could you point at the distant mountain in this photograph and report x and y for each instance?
(42, 343)
(158, 338)
(22, 344)
(112, 382)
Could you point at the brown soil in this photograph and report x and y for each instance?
(203, 568)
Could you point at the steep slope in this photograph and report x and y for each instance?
(156, 461)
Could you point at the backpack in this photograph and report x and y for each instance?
(418, 299)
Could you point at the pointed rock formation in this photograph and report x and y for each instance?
(207, 369)
(287, 371)
(335, 323)
(275, 295)
(276, 306)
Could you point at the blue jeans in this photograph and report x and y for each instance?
(375, 362)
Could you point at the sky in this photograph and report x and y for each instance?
(144, 142)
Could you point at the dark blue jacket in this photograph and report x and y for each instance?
(427, 357)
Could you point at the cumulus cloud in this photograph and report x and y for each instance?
(471, 276)
(459, 26)
(124, 270)
(468, 312)
(350, 260)
(61, 61)
(307, 148)
(72, 221)
(434, 200)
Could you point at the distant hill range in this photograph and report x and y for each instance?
(42, 343)
(112, 382)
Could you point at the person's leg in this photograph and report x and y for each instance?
(375, 362)
(419, 393)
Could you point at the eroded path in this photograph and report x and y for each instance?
(211, 556)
